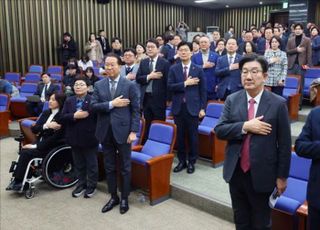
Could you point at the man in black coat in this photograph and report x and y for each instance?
(68, 49)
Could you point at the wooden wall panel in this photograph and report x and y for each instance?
(31, 30)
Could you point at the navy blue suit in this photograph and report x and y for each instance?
(113, 128)
(261, 45)
(209, 73)
(229, 80)
(80, 135)
(315, 43)
(154, 103)
(308, 145)
(186, 105)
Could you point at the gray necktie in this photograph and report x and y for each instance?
(230, 60)
(113, 88)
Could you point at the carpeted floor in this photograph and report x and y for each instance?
(56, 209)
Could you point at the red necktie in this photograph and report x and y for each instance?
(245, 156)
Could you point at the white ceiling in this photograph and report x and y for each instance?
(218, 4)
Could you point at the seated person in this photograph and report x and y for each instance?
(69, 78)
(5, 87)
(50, 135)
(44, 90)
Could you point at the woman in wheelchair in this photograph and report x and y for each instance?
(50, 134)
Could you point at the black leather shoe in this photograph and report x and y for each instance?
(190, 168)
(180, 167)
(111, 203)
(124, 206)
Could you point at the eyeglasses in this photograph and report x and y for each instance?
(79, 85)
(253, 72)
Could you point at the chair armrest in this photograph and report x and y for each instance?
(137, 148)
(158, 159)
(28, 118)
(303, 209)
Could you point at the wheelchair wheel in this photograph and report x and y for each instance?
(29, 194)
(58, 169)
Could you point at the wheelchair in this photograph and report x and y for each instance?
(56, 168)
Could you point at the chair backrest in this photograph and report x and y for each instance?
(32, 77)
(60, 90)
(55, 69)
(4, 102)
(161, 139)
(56, 77)
(28, 89)
(298, 178)
(309, 76)
(96, 70)
(213, 113)
(13, 77)
(35, 69)
(291, 86)
(140, 134)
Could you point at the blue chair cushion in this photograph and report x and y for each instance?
(27, 123)
(214, 110)
(18, 99)
(296, 189)
(292, 83)
(4, 100)
(140, 157)
(288, 92)
(161, 133)
(153, 148)
(299, 167)
(205, 130)
(287, 204)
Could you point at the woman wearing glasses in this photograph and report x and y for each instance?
(80, 135)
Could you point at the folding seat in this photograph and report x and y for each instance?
(18, 104)
(35, 69)
(55, 69)
(13, 78)
(284, 214)
(310, 75)
(32, 77)
(209, 145)
(292, 95)
(4, 114)
(152, 162)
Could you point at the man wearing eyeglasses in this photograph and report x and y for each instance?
(257, 160)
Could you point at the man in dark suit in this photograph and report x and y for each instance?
(116, 102)
(257, 160)
(44, 90)
(227, 70)
(104, 42)
(187, 83)
(308, 146)
(207, 60)
(152, 77)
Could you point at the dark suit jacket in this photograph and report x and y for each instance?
(48, 138)
(105, 47)
(195, 96)
(79, 132)
(316, 50)
(123, 120)
(308, 146)
(51, 90)
(304, 58)
(159, 86)
(227, 79)
(269, 155)
(209, 73)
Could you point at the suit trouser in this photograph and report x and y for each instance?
(152, 111)
(26, 155)
(313, 218)
(251, 209)
(86, 164)
(110, 150)
(186, 123)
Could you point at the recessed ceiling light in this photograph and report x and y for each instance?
(260, 3)
(227, 6)
(204, 1)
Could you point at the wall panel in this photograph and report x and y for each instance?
(31, 30)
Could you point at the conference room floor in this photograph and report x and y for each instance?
(56, 209)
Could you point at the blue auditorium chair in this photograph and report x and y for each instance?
(285, 210)
(4, 114)
(32, 77)
(209, 145)
(56, 77)
(310, 75)
(152, 162)
(13, 78)
(292, 95)
(55, 69)
(35, 69)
